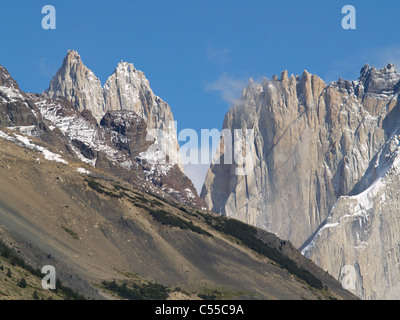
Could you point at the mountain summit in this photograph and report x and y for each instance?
(75, 82)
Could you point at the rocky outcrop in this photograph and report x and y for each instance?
(130, 129)
(16, 111)
(313, 146)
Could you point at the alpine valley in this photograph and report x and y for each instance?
(89, 186)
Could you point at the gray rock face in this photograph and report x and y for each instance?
(315, 146)
(131, 131)
(126, 89)
(361, 232)
(75, 82)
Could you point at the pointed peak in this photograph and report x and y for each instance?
(72, 61)
(6, 80)
(305, 74)
(73, 65)
(284, 75)
(124, 63)
(124, 67)
(365, 70)
(73, 56)
(73, 53)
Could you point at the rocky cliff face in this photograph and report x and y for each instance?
(79, 85)
(359, 242)
(313, 146)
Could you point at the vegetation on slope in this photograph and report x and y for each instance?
(19, 271)
(160, 215)
(143, 291)
(167, 218)
(244, 233)
(248, 236)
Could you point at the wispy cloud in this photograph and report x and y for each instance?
(45, 70)
(229, 87)
(218, 55)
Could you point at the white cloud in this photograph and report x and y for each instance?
(45, 69)
(229, 87)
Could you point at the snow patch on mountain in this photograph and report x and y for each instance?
(9, 94)
(75, 127)
(154, 161)
(83, 171)
(26, 142)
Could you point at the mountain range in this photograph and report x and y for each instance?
(92, 182)
(90, 186)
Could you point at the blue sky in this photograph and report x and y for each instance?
(197, 54)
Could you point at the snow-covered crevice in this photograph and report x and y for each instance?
(82, 158)
(328, 224)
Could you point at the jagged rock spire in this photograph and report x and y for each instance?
(75, 82)
(6, 80)
(126, 89)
